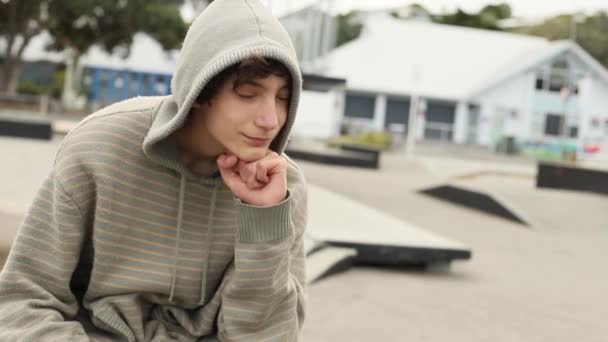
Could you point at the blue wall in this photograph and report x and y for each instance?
(110, 85)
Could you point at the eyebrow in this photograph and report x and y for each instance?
(259, 85)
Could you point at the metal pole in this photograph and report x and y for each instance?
(410, 139)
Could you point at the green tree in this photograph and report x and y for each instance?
(349, 28)
(20, 21)
(487, 18)
(76, 25)
(590, 32)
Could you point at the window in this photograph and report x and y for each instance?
(553, 124)
(540, 83)
(397, 113)
(556, 77)
(360, 106)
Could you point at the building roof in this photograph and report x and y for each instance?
(437, 61)
(555, 49)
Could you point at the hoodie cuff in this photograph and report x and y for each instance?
(262, 224)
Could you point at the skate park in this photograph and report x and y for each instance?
(377, 244)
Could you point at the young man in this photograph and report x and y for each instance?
(174, 218)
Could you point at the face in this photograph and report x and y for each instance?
(242, 120)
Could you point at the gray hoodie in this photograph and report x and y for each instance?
(123, 243)
(227, 32)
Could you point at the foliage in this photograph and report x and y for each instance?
(78, 24)
(349, 28)
(381, 140)
(20, 20)
(54, 89)
(590, 32)
(487, 18)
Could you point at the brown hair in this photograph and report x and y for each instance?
(247, 70)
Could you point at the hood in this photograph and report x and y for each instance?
(225, 33)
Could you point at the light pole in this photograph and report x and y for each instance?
(410, 138)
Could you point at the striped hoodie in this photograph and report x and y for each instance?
(123, 243)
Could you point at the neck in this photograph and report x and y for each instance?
(201, 163)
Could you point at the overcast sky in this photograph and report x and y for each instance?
(532, 9)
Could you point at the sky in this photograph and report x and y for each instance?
(532, 9)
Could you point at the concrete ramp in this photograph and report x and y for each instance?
(345, 156)
(378, 238)
(478, 199)
(323, 260)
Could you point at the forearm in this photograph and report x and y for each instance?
(265, 297)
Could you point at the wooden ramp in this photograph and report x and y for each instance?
(378, 238)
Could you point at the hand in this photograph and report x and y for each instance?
(262, 182)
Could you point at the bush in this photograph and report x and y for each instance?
(54, 89)
(379, 140)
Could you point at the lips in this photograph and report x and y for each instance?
(257, 141)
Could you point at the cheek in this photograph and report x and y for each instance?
(283, 118)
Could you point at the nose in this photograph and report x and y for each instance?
(269, 116)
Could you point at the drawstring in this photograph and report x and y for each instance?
(180, 213)
(209, 229)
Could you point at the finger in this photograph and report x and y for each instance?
(249, 175)
(261, 173)
(228, 170)
(225, 161)
(234, 182)
(274, 163)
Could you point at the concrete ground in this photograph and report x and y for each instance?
(546, 283)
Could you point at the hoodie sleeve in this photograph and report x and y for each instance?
(265, 298)
(36, 303)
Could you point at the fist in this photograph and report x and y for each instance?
(262, 182)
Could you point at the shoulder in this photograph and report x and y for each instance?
(132, 112)
(107, 137)
(120, 123)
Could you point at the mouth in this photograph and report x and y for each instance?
(257, 141)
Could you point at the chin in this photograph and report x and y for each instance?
(252, 154)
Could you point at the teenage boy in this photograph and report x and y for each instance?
(178, 217)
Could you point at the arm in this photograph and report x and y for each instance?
(36, 303)
(265, 297)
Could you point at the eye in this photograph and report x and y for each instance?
(246, 94)
(283, 97)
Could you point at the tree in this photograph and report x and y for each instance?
(349, 28)
(589, 32)
(20, 20)
(76, 25)
(487, 18)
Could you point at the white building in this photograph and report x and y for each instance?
(478, 85)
